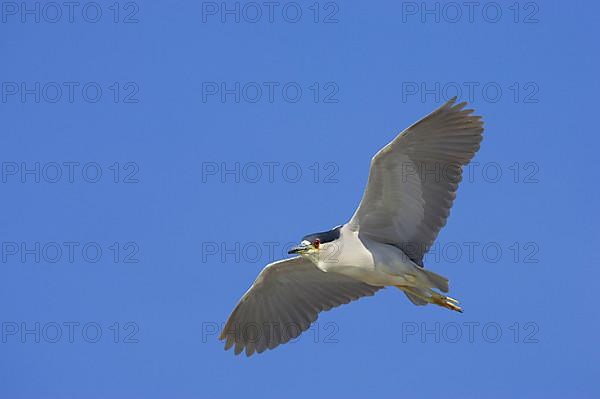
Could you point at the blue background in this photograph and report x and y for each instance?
(164, 134)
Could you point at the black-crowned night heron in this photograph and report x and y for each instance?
(412, 184)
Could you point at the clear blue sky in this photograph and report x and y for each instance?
(149, 166)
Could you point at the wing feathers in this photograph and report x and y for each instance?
(413, 180)
(285, 299)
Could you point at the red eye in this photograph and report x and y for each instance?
(316, 243)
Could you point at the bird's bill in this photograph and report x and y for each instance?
(302, 248)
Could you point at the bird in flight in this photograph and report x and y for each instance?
(411, 187)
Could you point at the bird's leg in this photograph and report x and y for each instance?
(435, 298)
(445, 301)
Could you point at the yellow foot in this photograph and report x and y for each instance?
(446, 302)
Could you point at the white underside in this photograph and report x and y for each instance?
(368, 261)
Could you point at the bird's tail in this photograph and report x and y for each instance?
(437, 281)
(415, 299)
(430, 280)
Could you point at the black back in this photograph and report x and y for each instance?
(324, 236)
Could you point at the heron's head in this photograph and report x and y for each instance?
(316, 243)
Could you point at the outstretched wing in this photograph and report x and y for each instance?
(285, 299)
(413, 180)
